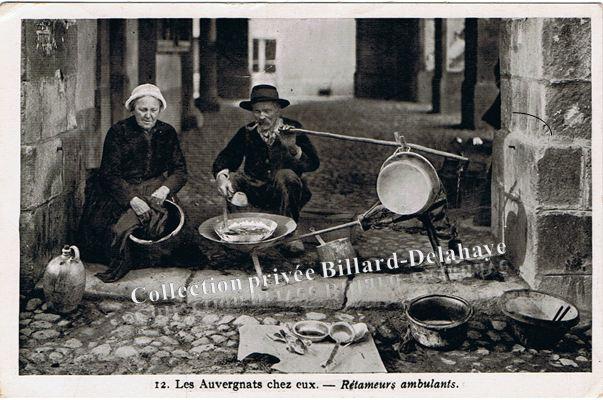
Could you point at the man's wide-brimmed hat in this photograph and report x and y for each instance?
(143, 90)
(263, 93)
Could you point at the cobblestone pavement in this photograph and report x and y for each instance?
(110, 337)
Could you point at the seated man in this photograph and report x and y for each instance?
(275, 159)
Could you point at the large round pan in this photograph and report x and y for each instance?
(407, 183)
(285, 227)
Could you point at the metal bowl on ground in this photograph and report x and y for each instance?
(530, 314)
(174, 224)
(315, 331)
(439, 321)
(246, 229)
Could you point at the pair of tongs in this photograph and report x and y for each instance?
(294, 344)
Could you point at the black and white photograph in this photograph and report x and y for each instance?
(348, 198)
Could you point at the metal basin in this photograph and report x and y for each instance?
(285, 226)
(175, 222)
(439, 321)
(531, 314)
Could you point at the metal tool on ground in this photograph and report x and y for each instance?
(343, 334)
(362, 357)
(294, 343)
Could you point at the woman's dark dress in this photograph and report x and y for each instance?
(134, 163)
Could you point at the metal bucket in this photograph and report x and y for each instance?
(407, 183)
(439, 321)
(334, 250)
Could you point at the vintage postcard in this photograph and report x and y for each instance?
(283, 200)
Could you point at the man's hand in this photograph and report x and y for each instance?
(224, 185)
(288, 139)
(140, 207)
(160, 195)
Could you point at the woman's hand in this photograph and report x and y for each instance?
(160, 195)
(140, 207)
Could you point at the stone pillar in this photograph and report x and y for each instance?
(438, 57)
(541, 182)
(208, 67)
(118, 81)
(479, 88)
(426, 65)
(147, 48)
(470, 78)
(449, 65)
(487, 57)
(131, 55)
(188, 117)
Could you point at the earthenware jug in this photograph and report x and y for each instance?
(64, 280)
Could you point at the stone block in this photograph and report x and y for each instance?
(506, 105)
(32, 119)
(516, 225)
(575, 288)
(568, 109)
(563, 242)
(73, 162)
(42, 232)
(41, 173)
(396, 290)
(317, 293)
(524, 96)
(54, 106)
(148, 278)
(521, 49)
(587, 180)
(558, 178)
(520, 172)
(48, 45)
(566, 48)
(86, 64)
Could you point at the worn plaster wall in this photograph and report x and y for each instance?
(58, 116)
(542, 181)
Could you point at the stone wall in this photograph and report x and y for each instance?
(58, 116)
(541, 189)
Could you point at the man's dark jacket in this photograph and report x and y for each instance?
(263, 161)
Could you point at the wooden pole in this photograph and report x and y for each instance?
(379, 142)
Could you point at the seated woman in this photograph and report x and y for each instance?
(141, 165)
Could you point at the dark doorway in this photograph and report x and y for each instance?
(387, 58)
(233, 60)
